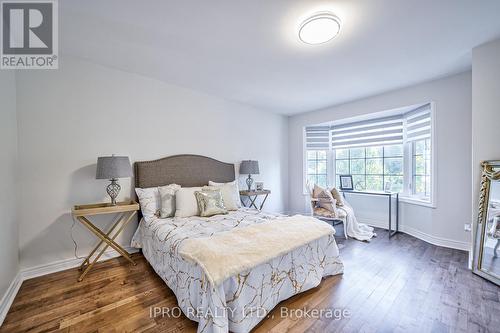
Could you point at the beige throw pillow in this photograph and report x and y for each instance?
(338, 197)
(325, 198)
(230, 194)
(185, 202)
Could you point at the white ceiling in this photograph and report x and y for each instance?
(248, 50)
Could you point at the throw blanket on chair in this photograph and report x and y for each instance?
(228, 253)
(354, 229)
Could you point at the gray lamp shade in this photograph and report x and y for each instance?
(111, 167)
(249, 168)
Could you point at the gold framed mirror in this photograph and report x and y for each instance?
(487, 238)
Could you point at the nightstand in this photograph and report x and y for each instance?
(255, 194)
(127, 210)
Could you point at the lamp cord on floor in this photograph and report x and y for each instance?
(73, 239)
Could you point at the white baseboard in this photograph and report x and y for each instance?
(56, 266)
(8, 297)
(435, 240)
(439, 241)
(61, 265)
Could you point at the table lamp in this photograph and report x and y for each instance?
(112, 168)
(249, 168)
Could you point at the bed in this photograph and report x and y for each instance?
(244, 299)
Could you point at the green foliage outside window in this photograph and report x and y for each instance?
(372, 167)
(421, 167)
(317, 167)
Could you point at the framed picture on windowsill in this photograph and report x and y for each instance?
(346, 182)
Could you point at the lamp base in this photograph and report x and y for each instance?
(113, 189)
(249, 182)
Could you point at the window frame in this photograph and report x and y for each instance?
(427, 172)
(365, 158)
(326, 160)
(406, 194)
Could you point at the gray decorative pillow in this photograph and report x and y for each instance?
(167, 197)
(149, 199)
(210, 202)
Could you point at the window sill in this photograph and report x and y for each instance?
(418, 202)
(408, 200)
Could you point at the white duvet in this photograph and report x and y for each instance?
(243, 300)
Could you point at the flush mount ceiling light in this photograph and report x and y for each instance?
(319, 28)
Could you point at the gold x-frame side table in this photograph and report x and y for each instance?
(252, 196)
(127, 211)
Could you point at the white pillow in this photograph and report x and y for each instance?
(149, 199)
(167, 200)
(230, 194)
(185, 202)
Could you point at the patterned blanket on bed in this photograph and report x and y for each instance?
(243, 300)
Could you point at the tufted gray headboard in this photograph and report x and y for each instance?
(184, 170)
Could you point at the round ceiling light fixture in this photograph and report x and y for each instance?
(319, 28)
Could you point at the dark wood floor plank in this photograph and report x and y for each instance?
(397, 285)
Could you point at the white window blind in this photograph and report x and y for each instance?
(418, 123)
(376, 132)
(318, 138)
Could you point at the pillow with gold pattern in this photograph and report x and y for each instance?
(337, 196)
(325, 198)
(210, 202)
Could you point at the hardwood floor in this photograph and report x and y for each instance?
(397, 285)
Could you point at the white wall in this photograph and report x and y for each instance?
(485, 110)
(9, 250)
(68, 117)
(444, 224)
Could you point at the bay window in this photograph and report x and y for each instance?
(386, 153)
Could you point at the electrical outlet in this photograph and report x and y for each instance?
(467, 227)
